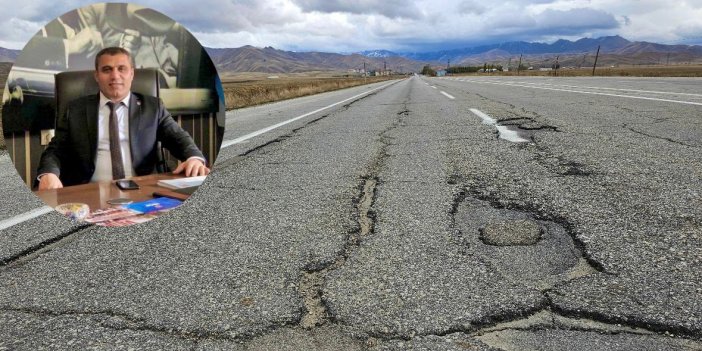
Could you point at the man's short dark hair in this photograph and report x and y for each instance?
(113, 50)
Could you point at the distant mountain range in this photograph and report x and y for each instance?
(613, 50)
(8, 55)
(561, 46)
(270, 60)
(611, 46)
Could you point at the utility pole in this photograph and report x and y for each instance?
(667, 62)
(385, 67)
(509, 64)
(583, 61)
(596, 56)
(520, 63)
(364, 69)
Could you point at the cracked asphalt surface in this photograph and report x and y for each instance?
(363, 227)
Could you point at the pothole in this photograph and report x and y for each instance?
(512, 134)
(511, 233)
(520, 245)
(506, 132)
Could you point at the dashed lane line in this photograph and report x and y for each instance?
(447, 95)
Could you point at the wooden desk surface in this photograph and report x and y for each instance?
(95, 195)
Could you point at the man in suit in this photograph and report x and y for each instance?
(113, 134)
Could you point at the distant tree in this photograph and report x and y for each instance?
(428, 71)
(463, 69)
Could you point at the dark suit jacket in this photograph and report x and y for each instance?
(71, 153)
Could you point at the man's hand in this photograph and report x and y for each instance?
(193, 167)
(50, 181)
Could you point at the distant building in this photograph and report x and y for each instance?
(441, 73)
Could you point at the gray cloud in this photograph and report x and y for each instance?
(415, 25)
(387, 8)
(574, 21)
(627, 20)
(228, 16)
(471, 7)
(546, 25)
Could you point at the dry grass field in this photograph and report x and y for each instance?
(250, 90)
(618, 71)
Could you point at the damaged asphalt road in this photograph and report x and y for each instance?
(397, 221)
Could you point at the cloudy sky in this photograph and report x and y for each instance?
(418, 25)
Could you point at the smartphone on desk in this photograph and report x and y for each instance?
(127, 184)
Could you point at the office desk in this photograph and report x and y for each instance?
(95, 195)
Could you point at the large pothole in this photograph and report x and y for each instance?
(520, 245)
(511, 233)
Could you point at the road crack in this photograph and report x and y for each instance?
(123, 322)
(37, 250)
(560, 165)
(659, 137)
(316, 312)
(110, 320)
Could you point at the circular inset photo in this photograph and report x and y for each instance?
(113, 114)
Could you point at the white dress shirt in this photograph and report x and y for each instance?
(103, 160)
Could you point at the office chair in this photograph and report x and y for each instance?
(71, 85)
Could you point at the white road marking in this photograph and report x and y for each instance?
(23, 217)
(503, 131)
(616, 89)
(594, 93)
(447, 95)
(278, 125)
(433, 87)
(486, 119)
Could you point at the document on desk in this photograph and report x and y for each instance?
(181, 183)
(153, 205)
(137, 212)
